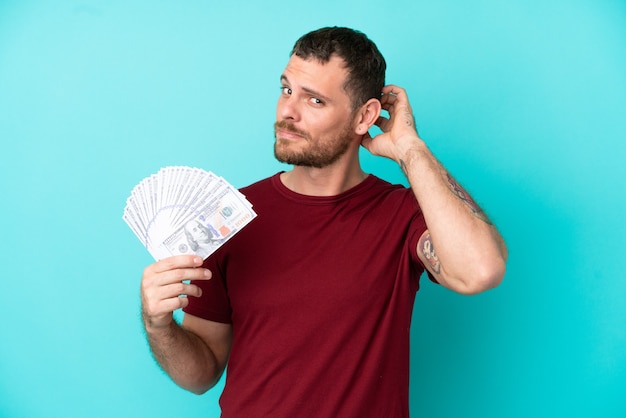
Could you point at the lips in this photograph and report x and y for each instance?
(285, 134)
(285, 131)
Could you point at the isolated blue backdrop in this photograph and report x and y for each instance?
(523, 101)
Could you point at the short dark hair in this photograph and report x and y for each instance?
(365, 64)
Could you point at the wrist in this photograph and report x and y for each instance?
(408, 148)
(153, 326)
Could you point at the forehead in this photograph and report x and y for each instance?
(328, 78)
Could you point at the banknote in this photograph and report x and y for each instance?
(185, 210)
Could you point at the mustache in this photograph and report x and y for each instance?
(286, 126)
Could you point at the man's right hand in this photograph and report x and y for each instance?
(162, 285)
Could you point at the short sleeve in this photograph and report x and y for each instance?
(417, 228)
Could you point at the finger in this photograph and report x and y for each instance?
(388, 106)
(182, 274)
(164, 300)
(151, 283)
(176, 262)
(164, 308)
(366, 140)
(393, 90)
(170, 305)
(175, 290)
(388, 99)
(381, 122)
(395, 95)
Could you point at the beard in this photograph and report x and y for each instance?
(318, 154)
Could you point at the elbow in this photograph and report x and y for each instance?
(485, 277)
(200, 384)
(479, 270)
(489, 277)
(199, 389)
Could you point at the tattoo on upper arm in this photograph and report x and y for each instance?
(428, 250)
(467, 199)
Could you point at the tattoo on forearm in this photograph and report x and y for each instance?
(467, 199)
(428, 250)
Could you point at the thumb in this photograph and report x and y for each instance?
(366, 141)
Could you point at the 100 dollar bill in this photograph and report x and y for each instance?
(210, 227)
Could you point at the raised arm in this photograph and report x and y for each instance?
(461, 248)
(194, 355)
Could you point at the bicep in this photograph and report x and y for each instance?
(216, 335)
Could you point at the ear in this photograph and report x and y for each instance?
(366, 116)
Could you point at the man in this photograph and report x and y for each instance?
(310, 304)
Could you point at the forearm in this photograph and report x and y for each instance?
(466, 252)
(469, 248)
(184, 357)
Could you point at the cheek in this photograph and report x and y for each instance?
(326, 126)
(338, 127)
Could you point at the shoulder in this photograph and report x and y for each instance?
(259, 188)
(380, 184)
(260, 184)
(391, 193)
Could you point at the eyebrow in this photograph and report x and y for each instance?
(315, 93)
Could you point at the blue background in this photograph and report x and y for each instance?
(523, 101)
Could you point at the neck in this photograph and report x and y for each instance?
(327, 181)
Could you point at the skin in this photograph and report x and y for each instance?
(471, 253)
(460, 248)
(311, 82)
(180, 350)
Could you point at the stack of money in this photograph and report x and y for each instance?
(185, 210)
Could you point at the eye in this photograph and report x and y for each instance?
(316, 101)
(286, 90)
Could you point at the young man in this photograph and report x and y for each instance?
(310, 304)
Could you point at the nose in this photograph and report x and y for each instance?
(287, 109)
